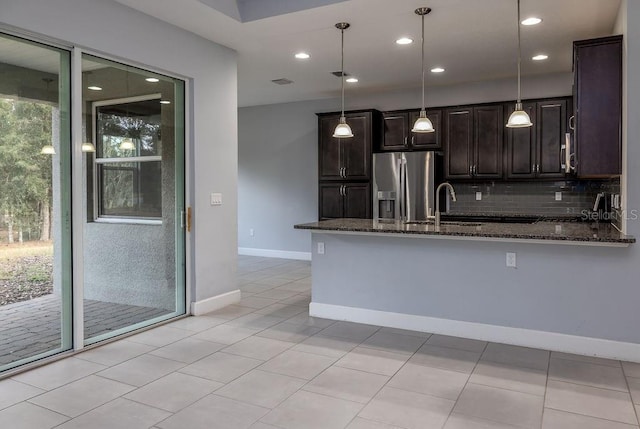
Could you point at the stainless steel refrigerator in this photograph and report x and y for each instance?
(404, 185)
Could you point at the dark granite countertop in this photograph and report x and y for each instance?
(552, 230)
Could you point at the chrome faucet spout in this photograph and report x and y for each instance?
(599, 196)
(452, 192)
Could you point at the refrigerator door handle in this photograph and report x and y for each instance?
(399, 194)
(403, 189)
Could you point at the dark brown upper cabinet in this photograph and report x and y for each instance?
(397, 134)
(346, 158)
(597, 67)
(474, 142)
(538, 151)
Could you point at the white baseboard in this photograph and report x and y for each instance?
(499, 334)
(215, 303)
(284, 254)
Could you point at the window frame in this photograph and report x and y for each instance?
(97, 161)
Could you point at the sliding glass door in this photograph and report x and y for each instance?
(133, 126)
(127, 269)
(35, 202)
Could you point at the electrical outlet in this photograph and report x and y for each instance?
(321, 248)
(511, 259)
(478, 196)
(558, 196)
(558, 229)
(251, 232)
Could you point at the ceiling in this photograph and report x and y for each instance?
(474, 40)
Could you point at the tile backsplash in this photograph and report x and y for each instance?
(535, 198)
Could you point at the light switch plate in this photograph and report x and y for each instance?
(216, 199)
(511, 259)
(558, 196)
(478, 196)
(321, 248)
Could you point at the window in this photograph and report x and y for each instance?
(128, 157)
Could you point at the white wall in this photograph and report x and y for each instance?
(278, 154)
(108, 27)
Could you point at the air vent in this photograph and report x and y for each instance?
(339, 74)
(282, 81)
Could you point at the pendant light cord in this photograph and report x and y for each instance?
(342, 68)
(423, 106)
(519, 54)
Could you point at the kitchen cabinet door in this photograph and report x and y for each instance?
(598, 106)
(356, 151)
(330, 167)
(357, 200)
(521, 146)
(338, 200)
(458, 143)
(551, 126)
(489, 135)
(395, 133)
(331, 201)
(426, 141)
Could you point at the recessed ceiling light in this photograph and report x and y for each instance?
(540, 57)
(165, 102)
(152, 79)
(302, 56)
(352, 79)
(404, 41)
(437, 70)
(94, 88)
(531, 21)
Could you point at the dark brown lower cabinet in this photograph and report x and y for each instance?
(350, 200)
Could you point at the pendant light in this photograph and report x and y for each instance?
(127, 144)
(88, 147)
(343, 130)
(423, 124)
(519, 118)
(48, 150)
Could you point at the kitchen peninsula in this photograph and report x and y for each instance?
(456, 281)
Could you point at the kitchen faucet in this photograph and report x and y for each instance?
(453, 197)
(599, 196)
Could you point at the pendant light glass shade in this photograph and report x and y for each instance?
(343, 130)
(519, 118)
(48, 150)
(127, 144)
(423, 124)
(88, 147)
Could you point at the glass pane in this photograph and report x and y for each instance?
(131, 189)
(133, 266)
(35, 270)
(135, 122)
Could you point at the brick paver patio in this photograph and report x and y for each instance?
(32, 327)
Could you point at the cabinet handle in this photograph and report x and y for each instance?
(474, 170)
(345, 172)
(406, 141)
(572, 123)
(471, 170)
(537, 168)
(413, 140)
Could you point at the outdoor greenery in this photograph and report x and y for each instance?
(25, 174)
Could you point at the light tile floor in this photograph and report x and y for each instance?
(264, 363)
